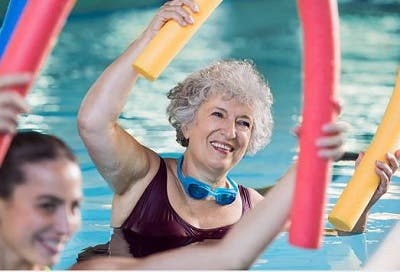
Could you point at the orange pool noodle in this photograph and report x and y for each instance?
(358, 192)
(31, 42)
(169, 41)
(320, 23)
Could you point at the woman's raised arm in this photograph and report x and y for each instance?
(118, 156)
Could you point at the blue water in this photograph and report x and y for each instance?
(267, 32)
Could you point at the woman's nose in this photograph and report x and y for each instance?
(66, 222)
(229, 129)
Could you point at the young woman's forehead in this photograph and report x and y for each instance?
(58, 177)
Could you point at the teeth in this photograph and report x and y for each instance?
(54, 245)
(222, 146)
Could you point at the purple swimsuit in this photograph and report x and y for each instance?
(154, 226)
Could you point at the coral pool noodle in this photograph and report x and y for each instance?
(320, 24)
(31, 41)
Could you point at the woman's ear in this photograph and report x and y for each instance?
(186, 131)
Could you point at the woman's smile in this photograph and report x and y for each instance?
(222, 147)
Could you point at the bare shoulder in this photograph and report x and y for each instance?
(255, 197)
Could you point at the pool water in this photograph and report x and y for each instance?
(267, 32)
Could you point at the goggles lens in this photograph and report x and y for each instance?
(225, 198)
(197, 191)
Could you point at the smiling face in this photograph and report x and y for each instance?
(220, 133)
(42, 213)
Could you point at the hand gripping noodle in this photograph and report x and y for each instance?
(14, 11)
(169, 41)
(320, 22)
(31, 41)
(358, 192)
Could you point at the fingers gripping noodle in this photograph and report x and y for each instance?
(30, 43)
(169, 41)
(13, 13)
(320, 23)
(363, 184)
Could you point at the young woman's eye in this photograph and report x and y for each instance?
(217, 114)
(76, 207)
(48, 207)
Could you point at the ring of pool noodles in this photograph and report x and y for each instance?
(32, 40)
(363, 184)
(14, 11)
(320, 23)
(169, 40)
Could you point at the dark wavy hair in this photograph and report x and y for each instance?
(29, 147)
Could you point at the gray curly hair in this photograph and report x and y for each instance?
(235, 79)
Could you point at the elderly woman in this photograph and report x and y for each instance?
(220, 113)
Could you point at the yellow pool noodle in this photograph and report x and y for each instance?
(169, 41)
(358, 192)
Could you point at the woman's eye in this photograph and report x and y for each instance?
(244, 123)
(76, 206)
(48, 207)
(217, 114)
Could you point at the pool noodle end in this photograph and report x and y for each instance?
(169, 40)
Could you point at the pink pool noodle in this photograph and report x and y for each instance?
(320, 25)
(31, 42)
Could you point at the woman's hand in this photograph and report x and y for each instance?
(173, 10)
(11, 103)
(330, 146)
(385, 171)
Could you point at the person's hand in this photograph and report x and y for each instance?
(330, 146)
(173, 10)
(11, 103)
(385, 171)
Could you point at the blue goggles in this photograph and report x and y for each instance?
(200, 190)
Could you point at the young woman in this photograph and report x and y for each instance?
(40, 193)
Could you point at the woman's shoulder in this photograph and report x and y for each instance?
(255, 196)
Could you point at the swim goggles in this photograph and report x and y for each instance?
(200, 190)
